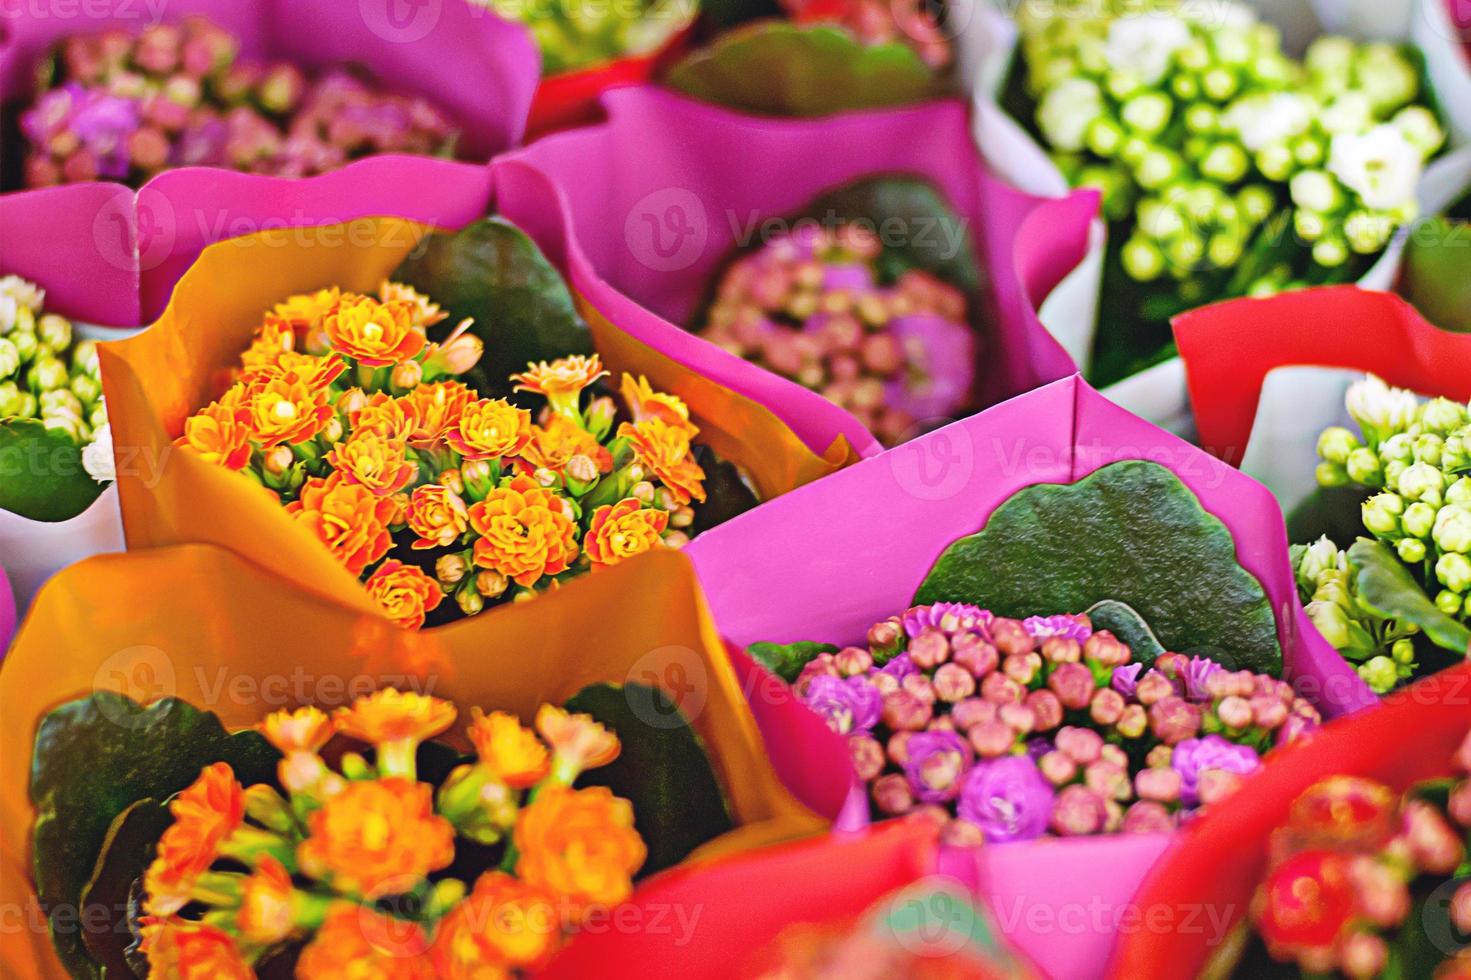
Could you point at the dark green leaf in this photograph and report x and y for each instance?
(786, 660)
(1130, 532)
(126, 853)
(781, 69)
(726, 494)
(493, 272)
(1124, 622)
(1387, 588)
(41, 473)
(1435, 277)
(662, 770)
(95, 757)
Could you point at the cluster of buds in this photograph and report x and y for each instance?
(369, 871)
(1196, 127)
(811, 306)
(574, 34)
(1337, 895)
(349, 414)
(1020, 727)
(47, 373)
(123, 107)
(908, 22)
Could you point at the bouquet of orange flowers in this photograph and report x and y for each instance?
(344, 409)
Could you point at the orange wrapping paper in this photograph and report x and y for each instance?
(155, 380)
(199, 623)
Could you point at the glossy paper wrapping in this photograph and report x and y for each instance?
(108, 255)
(201, 624)
(677, 184)
(1217, 863)
(826, 561)
(155, 380)
(7, 613)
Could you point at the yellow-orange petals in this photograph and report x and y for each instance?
(266, 915)
(576, 738)
(579, 844)
(275, 337)
(433, 410)
(219, 433)
(437, 515)
(622, 530)
(204, 815)
(305, 729)
(646, 403)
(287, 408)
(356, 943)
(375, 462)
(391, 715)
(507, 748)
(304, 311)
(665, 450)
(404, 592)
(490, 429)
(426, 312)
(525, 533)
(553, 444)
(503, 922)
(382, 415)
(180, 950)
(561, 378)
(348, 518)
(377, 837)
(374, 333)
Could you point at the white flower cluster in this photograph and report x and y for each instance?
(1198, 130)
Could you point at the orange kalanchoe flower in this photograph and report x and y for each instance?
(266, 915)
(286, 408)
(375, 462)
(525, 532)
(508, 748)
(304, 311)
(433, 410)
(204, 816)
(358, 943)
(503, 922)
(404, 591)
(306, 729)
(576, 738)
(382, 415)
(276, 337)
(553, 444)
(646, 403)
(391, 715)
(377, 837)
(580, 845)
(180, 950)
(348, 518)
(220, 433)
(622, 530)
(426, 312)
(437, 515)
(490, 429)
(372, 332)
(665, 450)
(560, 378)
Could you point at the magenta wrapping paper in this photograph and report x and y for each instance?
(107, 255)
(653, 201)
(827, 560)
(7, 614)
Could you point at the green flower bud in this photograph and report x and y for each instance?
(1147, 113)
(1121, 85)
(1380, 673)
(1275, 161)
(1156, 169)
(1256, 203)
(1459, 493)
(60, 400)
(1184, 254)
(1386, 77)
(1443, 415)
(1066, 112)
(47, 373)
(1330, 56)
(84, 358)
(1330, 619)
(87, 388)
(1367, 231)
(1411, 550)
(1195, 56)
(1219, 84)
(1226, 162)
(72, 425)
(1393, 470)
(1330, 252)
(97, 418)
(54, 331)
(1454, 572)
(1381, 513)
(1328, 474)
(9, 399)
(1453, 455)
(1336, 443)
(1224, 251)
(9, 359)
(1363, 467)
(1317, 559)
(25, 406)
(1185, 87)
(1142, 259)
(1401, 445)
(1315, 190)
(1427, 448)
(1449, 602)
(26, 344)
(1308, 151)
(1452, 530)
(1133, 150)
(1418, 519)
(1421, 481)
(1421, 128)
(1105, 137)
(1403, 652)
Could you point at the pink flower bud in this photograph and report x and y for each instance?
(891, 794)
(1267, 711)
(1214, 785)
(1461, 909)
(1010, 636)
(821, 665)
(972, 652)
(1219, 685)
(1115, 819)
(851, 661)
(1073, 684)
(962, 833)
(1173, 720)
(903, 711)
(1108, 779)
(1022, 667)
(972, 711)
(953, 683)
(1436, 848)
(868, 756)
(1018, 717)
(1107, 706)
(1459, 805)
(1134, 722)
(1363, 955)
(1381, 893)
(920, 686)
(884, 683)
(1047, 709)
(1160, 785)
(1115, 754)
(1058, 768)
(1062, 650)
(1243, 683)
(1147, 817)
(1172, 665)
(1152, 687)
(1078, 811)
(1234, 712)
(992, 739)
(1106, 649)
(882, 354)
(1082, 745)
(1001, 689)
(884, 636)
(929, 649)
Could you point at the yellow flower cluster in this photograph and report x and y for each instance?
(346, 411)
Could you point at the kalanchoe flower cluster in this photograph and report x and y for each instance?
(1197, 128)
(346, 411)
(371, 871)
(1022, 728)
(1337, 897)
(573, 35)
(122, 107)
(907, 22)
(48, 373)
(812, 306)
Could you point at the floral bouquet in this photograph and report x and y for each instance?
(200, 808)
(1346, 858)
(572, 39)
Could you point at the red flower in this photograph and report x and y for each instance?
(1306, 903)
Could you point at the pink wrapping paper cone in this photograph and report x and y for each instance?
(107, 255)
(675, 185)
(7, 614)
(827, 560)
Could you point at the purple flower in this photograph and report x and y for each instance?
(947, 617)
(1195, 755)
(941, 368)
(847, 704)
(101, 122)
(899, 667)
(1045, 627)
(1126, 679)
(1197, 675)
(1008, 798)
(853, 276)
(935, 762)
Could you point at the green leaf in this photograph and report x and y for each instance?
(95, 757)
(662, 770)
(1130, 532)
(41, 472)
(493, 272)
(1435, 279)
(786, 660)
(126, 852)
(1124, 622)
(1388, 589)
(782, 69)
